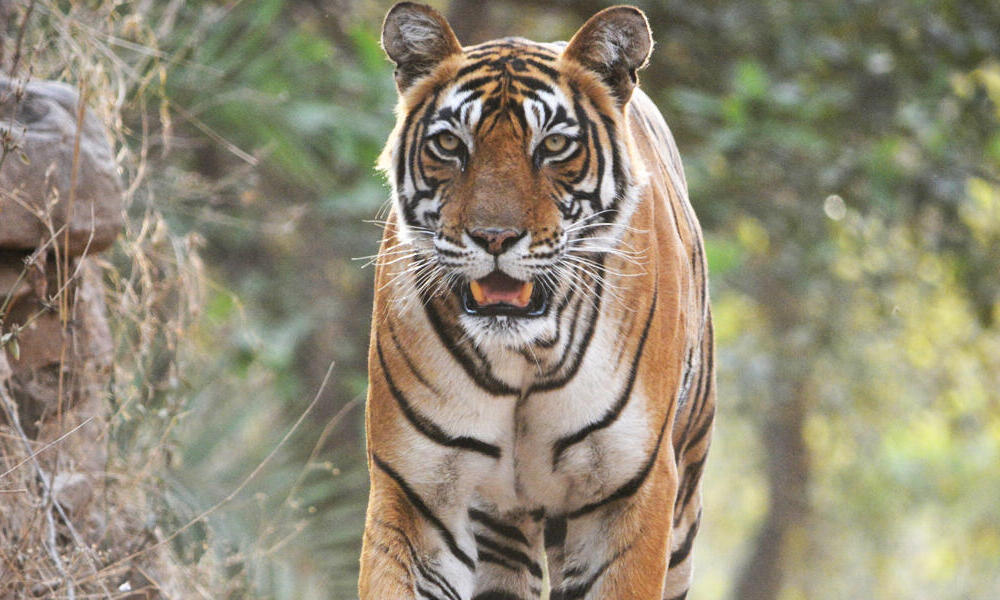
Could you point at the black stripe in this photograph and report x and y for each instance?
(426, 573)
(508, 531)
(701, 432)
(692, 475)
(617, 169)
(557, 335)
(692, 471)
(682, 596)
(470, 84)
(555, 532)
(496, 595)
(703, 390)
(403, 134)
(408, 157)
(521, 46)
(582, 347)
(471, 67)
(424, 510)
(425, 425)
(450, 253)
(544, 68)
(533, 83)
(682, 552)
(409, 362)
(581, 589)
(616, 410)
(496, 560)
(482, 377)
(425, 593)
(599, 155)
(510, 554)
(631, 486)
(685, 389)
(571, 334)
(575, 571)
(699, 389)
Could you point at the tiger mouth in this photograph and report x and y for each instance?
(499, 294)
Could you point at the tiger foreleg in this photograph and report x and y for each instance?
(618, 551)
(412, 550)
(509, 555)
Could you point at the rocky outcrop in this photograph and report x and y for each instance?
(60, 203)
(46, 154)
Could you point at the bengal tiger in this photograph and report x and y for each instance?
(541, 365)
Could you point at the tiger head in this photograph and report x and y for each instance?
(512, 170)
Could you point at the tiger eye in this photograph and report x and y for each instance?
(448, 142)
(555, 142)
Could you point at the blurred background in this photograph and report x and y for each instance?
(843, 157)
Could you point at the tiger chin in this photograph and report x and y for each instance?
(541, 377)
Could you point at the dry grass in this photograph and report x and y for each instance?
(151, 283)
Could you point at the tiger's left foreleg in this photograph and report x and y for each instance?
(617, 550)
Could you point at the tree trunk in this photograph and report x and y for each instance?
(787, 474)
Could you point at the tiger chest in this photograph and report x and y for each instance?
(561, 445)
(568, 447)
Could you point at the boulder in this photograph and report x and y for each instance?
(39, 123)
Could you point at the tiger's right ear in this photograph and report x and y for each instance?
(417, 38)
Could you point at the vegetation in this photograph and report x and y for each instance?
(844, 158)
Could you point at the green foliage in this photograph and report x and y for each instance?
(841, 156)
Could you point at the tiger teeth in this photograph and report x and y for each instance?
(524, 297)
(477, 292)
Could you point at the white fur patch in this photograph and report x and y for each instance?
(420, 32)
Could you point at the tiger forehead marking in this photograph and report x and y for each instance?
(541, 360)
(515, 80)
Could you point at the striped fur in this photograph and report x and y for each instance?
(580, 434)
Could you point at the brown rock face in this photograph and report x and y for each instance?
(57, 367)
(55, 344)
(36, 173)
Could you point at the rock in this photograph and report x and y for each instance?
(13, 283)
(51, 358)
(35, 176)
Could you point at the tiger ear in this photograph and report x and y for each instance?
(614, 43)
(417, 38)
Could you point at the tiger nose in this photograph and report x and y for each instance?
(495, 240)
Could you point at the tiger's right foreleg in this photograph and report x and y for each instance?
(410, 550)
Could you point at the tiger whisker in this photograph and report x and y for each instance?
(570, 270)
(413, 267)
(599, 266)
(617, 247)
(622, 226)
(591, 217)
(381, 260)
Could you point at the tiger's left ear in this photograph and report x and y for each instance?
(614, 43)
(417, 38)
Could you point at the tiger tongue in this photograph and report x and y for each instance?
(498, 288)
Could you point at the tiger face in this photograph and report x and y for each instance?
(511, 172)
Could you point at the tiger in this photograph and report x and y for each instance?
(541, 388)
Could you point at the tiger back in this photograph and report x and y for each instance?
(541, 378)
